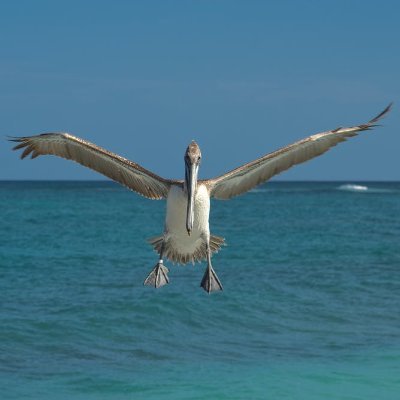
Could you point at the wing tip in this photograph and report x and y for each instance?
(28, 142)
(380, 115)
(372, 123)
(23, 142)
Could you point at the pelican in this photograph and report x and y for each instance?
(186, 237)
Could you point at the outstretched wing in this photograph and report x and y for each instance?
(119, 169)
(244, 178)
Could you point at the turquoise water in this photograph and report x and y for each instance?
(310, 308)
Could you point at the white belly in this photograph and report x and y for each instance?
(175, 222)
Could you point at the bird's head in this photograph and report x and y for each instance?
(192, 154)
(192, 162)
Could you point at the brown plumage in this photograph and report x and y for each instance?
(119, 169)
(186, 237)
(150, 185)
(249, 175)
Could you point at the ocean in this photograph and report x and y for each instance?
(310, 307)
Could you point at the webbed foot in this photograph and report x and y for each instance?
(158, 276)
(210, 282)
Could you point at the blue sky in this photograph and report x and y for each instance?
(242, 78)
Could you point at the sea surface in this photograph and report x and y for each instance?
(310, 307)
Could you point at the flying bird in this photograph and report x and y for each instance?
(186, 237)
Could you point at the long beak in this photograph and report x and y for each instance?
(191, 183)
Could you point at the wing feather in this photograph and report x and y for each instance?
(119, 169)
(249, 175)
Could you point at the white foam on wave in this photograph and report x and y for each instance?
(353, 188)
(349, 187)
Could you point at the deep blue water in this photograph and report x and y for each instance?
(310, 310)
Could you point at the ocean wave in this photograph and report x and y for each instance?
(349, 187)
(353, 188)
(325, 187)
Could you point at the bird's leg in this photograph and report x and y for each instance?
(210, 282)
(158, 276)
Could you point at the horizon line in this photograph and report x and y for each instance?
(271, 181)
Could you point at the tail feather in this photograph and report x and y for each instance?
(156, 242)
(216, 242)
(200, 254)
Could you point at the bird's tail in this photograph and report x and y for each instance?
(201, 254)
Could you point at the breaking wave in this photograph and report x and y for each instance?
(349, 187)
(353, 188)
